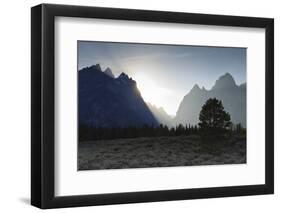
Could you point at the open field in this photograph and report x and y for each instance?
(159, 152)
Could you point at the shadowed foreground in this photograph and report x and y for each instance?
(159, 152)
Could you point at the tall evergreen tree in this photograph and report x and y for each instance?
(213, 119)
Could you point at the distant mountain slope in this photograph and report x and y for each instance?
(233, 98)
(105, 101)
(160, 114)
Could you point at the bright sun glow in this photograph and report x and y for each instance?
(156, 95)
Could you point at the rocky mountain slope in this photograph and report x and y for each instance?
(233, 97)
(106, 101)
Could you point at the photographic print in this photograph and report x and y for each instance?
(122, 98)
(160, 105)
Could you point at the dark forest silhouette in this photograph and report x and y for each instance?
(100, 133)
(213, 121)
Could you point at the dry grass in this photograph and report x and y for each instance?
(159, 152)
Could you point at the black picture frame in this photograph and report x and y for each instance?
(43, 117)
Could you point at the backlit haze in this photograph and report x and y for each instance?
(165, 73)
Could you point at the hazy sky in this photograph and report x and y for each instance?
(165, 73)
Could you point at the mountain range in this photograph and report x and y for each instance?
(106, 101)
(233, 98)
(109, 101)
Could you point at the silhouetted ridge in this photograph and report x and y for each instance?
(111, 102)
(225, 89)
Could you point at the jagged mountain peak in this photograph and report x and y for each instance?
(96, 66)
(123, 76)
(108, 72)
(224, 81)
(111, 102)
(195, 89)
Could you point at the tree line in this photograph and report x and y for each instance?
(214, 122)
(101, 133)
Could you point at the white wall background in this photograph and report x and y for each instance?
(15, 106)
